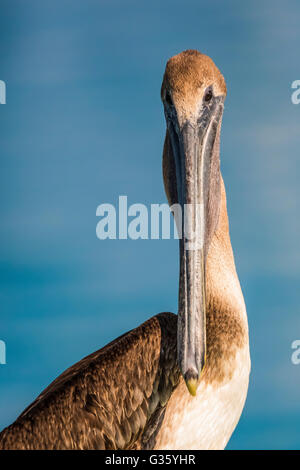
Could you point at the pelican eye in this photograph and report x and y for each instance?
(208, 96)
(169, 99)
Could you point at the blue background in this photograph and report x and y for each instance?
(84, 124)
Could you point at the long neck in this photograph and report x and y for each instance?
(226, 318)
(222, 283)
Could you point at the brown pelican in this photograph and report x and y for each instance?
(167, 384)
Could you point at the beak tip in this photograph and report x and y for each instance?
(192, 381)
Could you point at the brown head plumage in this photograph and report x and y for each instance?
(187, 77)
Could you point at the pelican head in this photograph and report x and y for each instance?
(193, 93)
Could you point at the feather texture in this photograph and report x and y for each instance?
(112, 399)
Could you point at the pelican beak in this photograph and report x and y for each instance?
(195, 147)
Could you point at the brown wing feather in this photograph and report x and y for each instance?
(113, 399)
